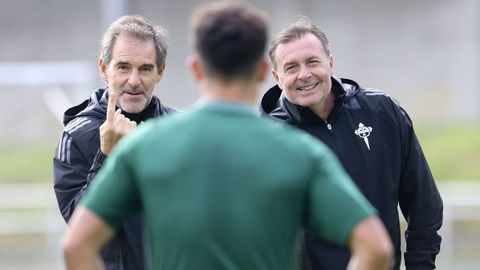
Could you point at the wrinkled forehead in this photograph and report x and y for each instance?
(128, 48)
(305, 47)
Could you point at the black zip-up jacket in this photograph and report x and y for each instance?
(374, 139)
(78, 158)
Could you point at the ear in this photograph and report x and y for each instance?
(262, 70)
(195, 66)
(102, 69)
(277, 78)
(330, 62)
(161, 71)
(275, 75)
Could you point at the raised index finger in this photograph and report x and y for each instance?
(112, 101)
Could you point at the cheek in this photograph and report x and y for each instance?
(284, 82)
(149, 81)
(117, 79)
(290, 84)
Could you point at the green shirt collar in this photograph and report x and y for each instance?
(226, 106)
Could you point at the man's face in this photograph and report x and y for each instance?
(304, 71)
(132, 72)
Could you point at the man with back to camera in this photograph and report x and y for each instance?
(132, 62)
(371, 135)
(216, 203)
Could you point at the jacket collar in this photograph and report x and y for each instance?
(96, 106)
(275, 105)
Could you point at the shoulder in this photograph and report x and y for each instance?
(382, 102)
(358, 97)
(82, 126)
(161, 108)
(376, 98)
(83, 132)
(80, 138)
(169, 110)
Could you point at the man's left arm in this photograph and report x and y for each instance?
(420, 203)
(86, 235)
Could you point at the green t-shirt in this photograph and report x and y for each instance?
(221, 188)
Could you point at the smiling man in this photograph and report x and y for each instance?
(210, 199)
(132, 62)
(371, 135)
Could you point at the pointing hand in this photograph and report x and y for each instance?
(115, 126)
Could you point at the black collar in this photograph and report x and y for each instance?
(302, 114)
(147, 113)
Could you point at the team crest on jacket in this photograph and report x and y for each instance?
(363, 132)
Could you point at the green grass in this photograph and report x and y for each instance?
(453, 152)
(26, 163)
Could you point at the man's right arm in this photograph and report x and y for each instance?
(71, 165)
(81, 152)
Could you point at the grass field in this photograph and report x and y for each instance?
(453, 152)
(26, 163)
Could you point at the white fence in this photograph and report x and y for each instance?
(30, 220)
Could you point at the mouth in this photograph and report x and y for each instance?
(134, 94)
(307, 87)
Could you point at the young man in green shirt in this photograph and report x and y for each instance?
(204, 180)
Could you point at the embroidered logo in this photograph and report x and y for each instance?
(363, 132)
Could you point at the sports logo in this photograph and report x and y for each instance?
(363, 132)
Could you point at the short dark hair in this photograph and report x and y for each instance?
(296, 31)
(230, 37)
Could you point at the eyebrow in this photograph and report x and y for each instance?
(122, 63)
(289, 64)
(127, 63)
(317, 58)
(151, 66)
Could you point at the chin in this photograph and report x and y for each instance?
(133, 108)
(306, 103)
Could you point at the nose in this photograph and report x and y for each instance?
(304, 73)
(134, 79)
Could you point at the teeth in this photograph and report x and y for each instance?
(307, 87)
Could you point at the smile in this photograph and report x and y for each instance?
(308, 87)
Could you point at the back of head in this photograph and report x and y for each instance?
(230, 38)
(296, 31)
(140, 28)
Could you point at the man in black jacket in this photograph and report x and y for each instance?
(132, 62)
(371, 135)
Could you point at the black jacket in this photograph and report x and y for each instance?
(374, 139)
(78, 158)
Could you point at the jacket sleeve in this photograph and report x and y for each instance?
(420, 202)
(73, 169)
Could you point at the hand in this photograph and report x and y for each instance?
(115, 126)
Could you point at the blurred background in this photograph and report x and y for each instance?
(424, 53)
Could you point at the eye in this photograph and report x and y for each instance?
(290, 68)
(146, 68)
(312, 62)
(123, 67)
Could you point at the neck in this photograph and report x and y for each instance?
(145, 114)
(325, 107)
(232, 91)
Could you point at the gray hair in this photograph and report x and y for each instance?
(296, 31)
(140, 28)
